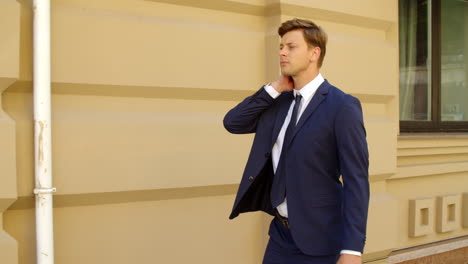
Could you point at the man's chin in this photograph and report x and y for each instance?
(286, 73)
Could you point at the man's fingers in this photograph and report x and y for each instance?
(284, 83)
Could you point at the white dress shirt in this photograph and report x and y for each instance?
(307, 92)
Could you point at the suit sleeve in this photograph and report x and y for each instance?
(354, 165)
(243, 118)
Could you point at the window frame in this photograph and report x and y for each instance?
(436, 124)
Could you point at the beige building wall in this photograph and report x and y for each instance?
(144, 170)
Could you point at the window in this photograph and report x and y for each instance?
(433, 60)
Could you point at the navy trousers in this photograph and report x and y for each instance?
(281, 249)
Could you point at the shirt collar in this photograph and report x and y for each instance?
(309, 89)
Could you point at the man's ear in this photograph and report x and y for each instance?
(315, 54)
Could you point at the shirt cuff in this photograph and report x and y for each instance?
(351, 252)
(271, 91)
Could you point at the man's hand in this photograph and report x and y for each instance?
(283, 84)
(349, 259)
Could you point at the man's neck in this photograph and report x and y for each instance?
(306, 77)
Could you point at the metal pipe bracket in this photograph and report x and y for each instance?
(44, 190)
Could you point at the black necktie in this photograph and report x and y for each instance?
(278, 188)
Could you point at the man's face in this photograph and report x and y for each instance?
(295, 55)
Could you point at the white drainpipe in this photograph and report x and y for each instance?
(42, 134)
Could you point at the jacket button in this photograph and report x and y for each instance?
(251, 178)
(267, 155)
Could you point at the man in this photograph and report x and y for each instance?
(308, 133)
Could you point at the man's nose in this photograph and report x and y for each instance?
(282, 52)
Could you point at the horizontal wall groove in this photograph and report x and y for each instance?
(436, 141)
(88, 199)
(431, 151)
(227, 6)
(336, 17)
(418, 170)
(432, 145)
(276, 9)
(60, 88)
(138, 91)
(374, 98)
(431, 136)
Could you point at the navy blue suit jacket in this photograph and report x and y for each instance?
(325, 215)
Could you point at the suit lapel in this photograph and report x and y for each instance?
(316, 100)
(281, 115)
